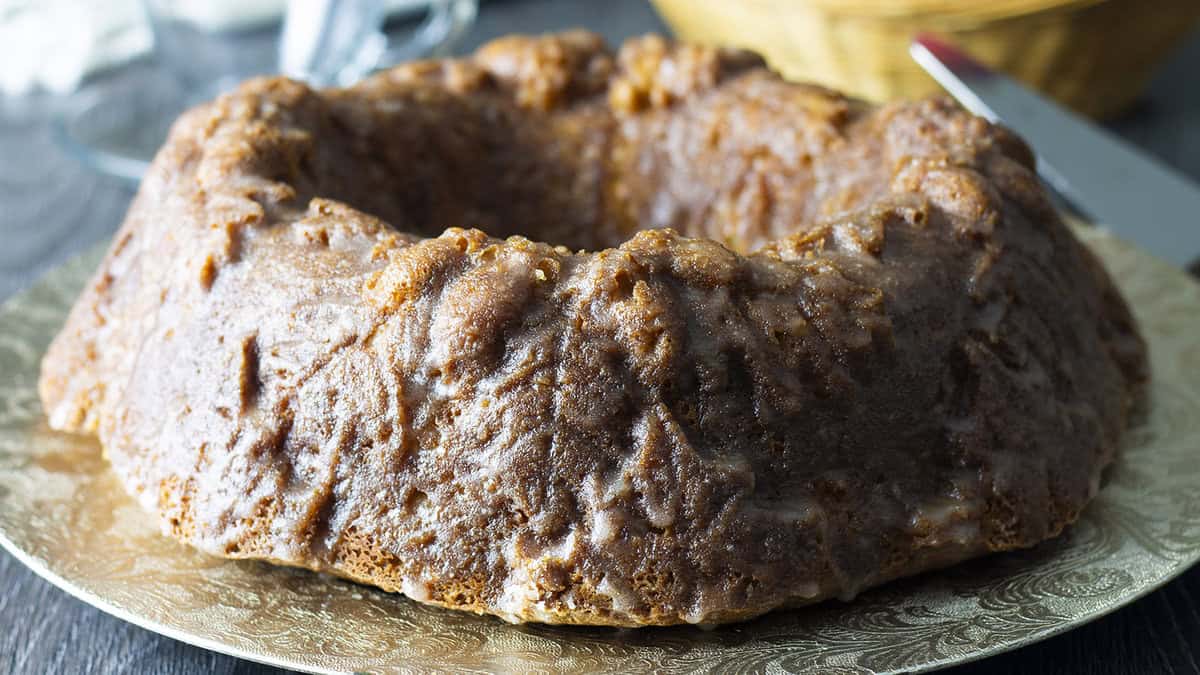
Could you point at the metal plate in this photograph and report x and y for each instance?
(65, 516)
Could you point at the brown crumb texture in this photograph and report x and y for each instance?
(567, 334)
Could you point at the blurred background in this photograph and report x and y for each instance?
(88, 88)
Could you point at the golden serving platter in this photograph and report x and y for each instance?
(65, 516)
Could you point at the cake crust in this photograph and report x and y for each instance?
(570, 335)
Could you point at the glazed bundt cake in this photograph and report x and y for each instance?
(712, 343)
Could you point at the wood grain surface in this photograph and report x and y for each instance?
(51, 208)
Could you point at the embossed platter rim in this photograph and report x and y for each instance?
(64, 515)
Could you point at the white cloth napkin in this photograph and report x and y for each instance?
(53, 44)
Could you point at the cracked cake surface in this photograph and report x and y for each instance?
(567, 334)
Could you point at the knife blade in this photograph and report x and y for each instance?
(1101, 175)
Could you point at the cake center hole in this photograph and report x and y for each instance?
(578, 179)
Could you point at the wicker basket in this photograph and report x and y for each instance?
(1093, 55)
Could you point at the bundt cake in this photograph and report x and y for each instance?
(714, 343)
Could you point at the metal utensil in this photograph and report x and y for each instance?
(1102, 176)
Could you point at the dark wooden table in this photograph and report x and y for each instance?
(51, 208)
